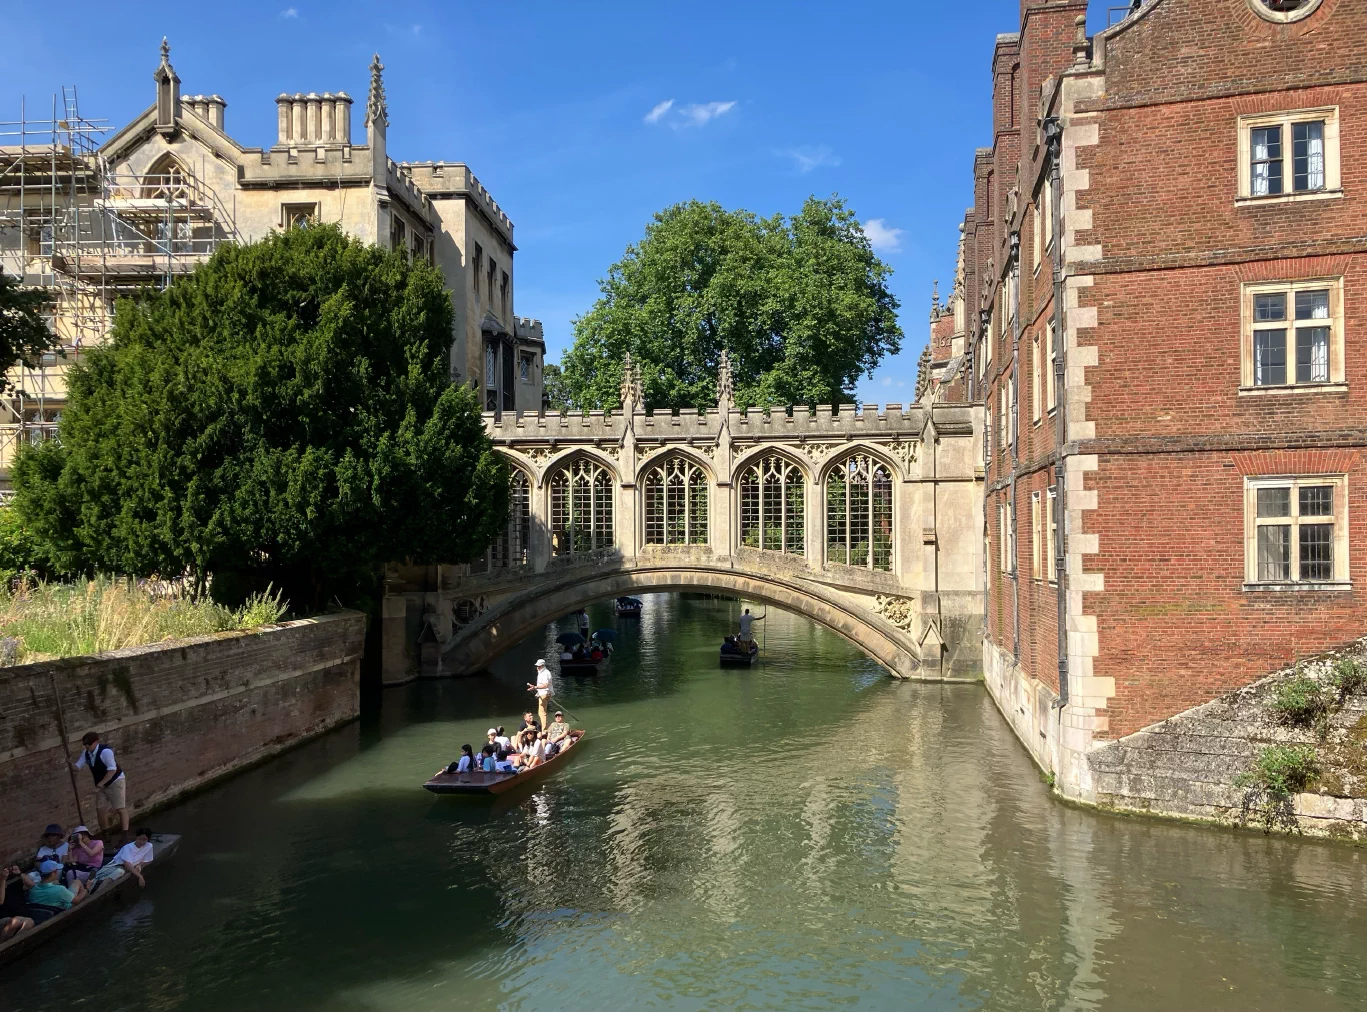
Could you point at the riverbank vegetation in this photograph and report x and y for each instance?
(42, 620)
(283, 416)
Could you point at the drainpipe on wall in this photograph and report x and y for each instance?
(1013, 272)
(1053, 139)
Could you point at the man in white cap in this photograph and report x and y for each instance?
(542, 689)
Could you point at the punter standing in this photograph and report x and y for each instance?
(542, 689)
(111, 790)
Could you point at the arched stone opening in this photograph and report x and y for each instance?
(499, 629)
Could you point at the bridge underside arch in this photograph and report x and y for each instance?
(479, 643)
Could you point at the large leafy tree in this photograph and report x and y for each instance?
(24, 334)
(801, 305)
(284, 414)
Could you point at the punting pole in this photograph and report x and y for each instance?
(66, 748)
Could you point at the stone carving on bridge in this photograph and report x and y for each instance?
(898, 611)
(466, 610)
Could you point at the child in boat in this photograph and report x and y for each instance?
(502, 741)
(85, 857)
(486, 759)
(464, 765)
(502, 764)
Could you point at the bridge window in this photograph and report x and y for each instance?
(511, 548)
(859, 513)
(581, 508)
(676, 494)
(772, 506)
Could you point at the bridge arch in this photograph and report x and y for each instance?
(494, 632)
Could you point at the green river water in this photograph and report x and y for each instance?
(805, 834)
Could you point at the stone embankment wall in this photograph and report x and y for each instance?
(1186, 766)
(178, 715)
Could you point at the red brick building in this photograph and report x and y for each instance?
(1166, 265)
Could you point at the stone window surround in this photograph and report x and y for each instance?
(1336, 381)
(1261, 9)
(1036, 535)
(1333, 181)
(292, 212)
(1341, 580)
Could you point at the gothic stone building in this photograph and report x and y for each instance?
(1168, 258)
(157, 197)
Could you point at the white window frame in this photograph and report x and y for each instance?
(1333, 181)
(1051, 361)
(1002, 536)
(1036, 535)
(1037, 233)
(1252, 522)
(1035, 384)
(1051, 534)
(1335, 323)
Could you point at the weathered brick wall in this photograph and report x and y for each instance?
(177, 715)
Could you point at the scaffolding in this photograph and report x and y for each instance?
(88, 236)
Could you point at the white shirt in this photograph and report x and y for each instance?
(543, 682)
(503, 741)
(464, 765)
(106, 757)
(745, 622)
(504, 765)
(57, 854)
(131, 854)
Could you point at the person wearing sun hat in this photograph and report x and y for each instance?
(85, 857)
(542, 688)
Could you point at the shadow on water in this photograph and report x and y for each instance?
(806, 834)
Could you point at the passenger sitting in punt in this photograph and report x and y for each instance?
(130, 859)
(557, 734)
(85, 857)
(11, 921)
(48, 896)
(463, 765)
(502, 764)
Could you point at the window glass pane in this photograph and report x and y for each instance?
(1317, 500)
(1317, 552)
(1269, 306)
(1274, 502)
(1312, 355)
(1274, 552)
(1269, 357)
(1312, 305)
(1267, 161)
(1307, 142)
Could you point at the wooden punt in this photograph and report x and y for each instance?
(585, 667)
(479, 782)
(739, 658)
(163, 847)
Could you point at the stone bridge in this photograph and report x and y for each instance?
(868, 521)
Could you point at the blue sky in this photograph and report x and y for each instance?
(560, 109)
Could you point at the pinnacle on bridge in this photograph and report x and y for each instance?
(632, 393)
(725, 388)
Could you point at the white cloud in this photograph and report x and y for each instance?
(699, 113)
(882, 237)
(658, 110)
(290, 12)
(806, 159)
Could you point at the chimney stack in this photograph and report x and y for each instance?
(312, 119)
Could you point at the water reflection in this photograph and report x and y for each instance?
(804, 834)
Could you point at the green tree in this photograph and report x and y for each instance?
(21, 551)
(24, 335)
(553, 383)
(801, 305)
(284, 414)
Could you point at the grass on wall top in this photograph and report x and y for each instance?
(41, 621)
